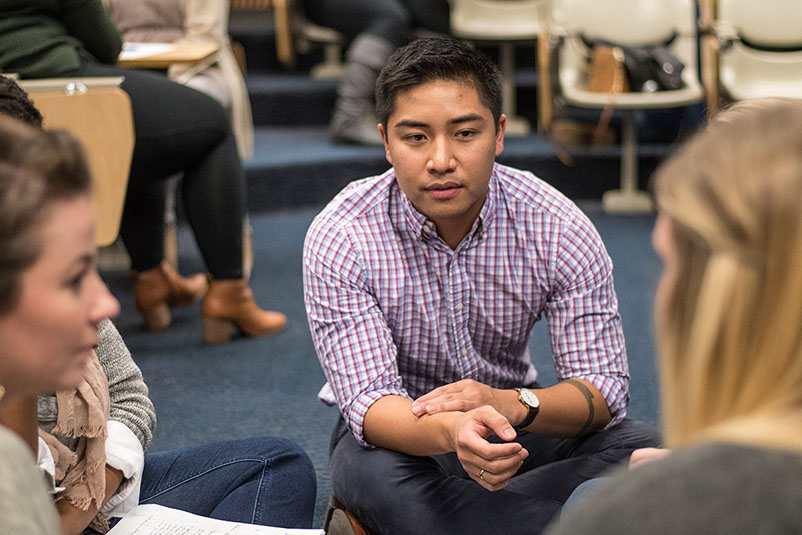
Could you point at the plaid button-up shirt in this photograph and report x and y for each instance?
(393, 310)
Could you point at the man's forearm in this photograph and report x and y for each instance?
(389, 423)
(571, 408)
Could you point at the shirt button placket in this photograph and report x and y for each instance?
(459, 311)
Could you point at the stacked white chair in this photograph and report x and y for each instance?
(760, 48)
(576, 23)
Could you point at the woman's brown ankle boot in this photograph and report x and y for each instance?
(159, 288)
(230, 303)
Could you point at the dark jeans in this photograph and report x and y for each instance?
(180, 130)
(263, 480)
(395, 493)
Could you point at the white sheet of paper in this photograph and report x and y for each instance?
(133, 50)
(159, 520)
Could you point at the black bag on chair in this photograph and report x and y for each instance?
(652, 68)
(648, 68)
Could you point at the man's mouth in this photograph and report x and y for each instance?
(443, 191)
(443, 186)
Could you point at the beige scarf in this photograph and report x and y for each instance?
(82, 414)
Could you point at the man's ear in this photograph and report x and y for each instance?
(386, 143)
(500, 129)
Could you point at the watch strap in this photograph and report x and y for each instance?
(530, 416)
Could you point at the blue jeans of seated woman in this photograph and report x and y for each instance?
(263, 480)
(580, 494)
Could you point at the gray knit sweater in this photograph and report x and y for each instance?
(130, 404)
(709, 489)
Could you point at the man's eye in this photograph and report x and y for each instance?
(465, 133)
(416, 137)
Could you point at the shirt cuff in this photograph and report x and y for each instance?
(360, 406)
(47, 466)
(326, 395)
(125, 453)
(615, 394)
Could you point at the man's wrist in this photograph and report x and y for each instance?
(514, 411)
(451, 425)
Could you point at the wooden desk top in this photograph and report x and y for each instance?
(161, 59)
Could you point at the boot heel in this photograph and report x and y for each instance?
(157, 317)
(217, 331)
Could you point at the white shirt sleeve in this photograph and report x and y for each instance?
(124, 452)
(47, 466)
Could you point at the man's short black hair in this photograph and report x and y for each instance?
(438, 58)
(14, 101)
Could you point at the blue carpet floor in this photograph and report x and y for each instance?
(268, 386)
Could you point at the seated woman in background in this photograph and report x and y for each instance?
(728, 311)
(374, 29)
(94, 430)
(191, 21)
(177, 129)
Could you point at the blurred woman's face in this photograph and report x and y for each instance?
(663, 243)
(48, 336)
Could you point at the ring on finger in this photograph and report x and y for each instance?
(482, 474)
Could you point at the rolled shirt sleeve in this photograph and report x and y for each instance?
(47, 466)
(124, 452)
(584, 323)
(350, 333)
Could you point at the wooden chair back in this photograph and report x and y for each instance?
(101, 118)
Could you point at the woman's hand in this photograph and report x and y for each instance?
(643, 456)
(74, 520)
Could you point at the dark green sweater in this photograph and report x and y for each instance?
(42, 38)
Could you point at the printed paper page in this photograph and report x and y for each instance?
(141, 50)
(159, 520)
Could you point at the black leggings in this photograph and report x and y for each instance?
(179, 129)
(389, 19)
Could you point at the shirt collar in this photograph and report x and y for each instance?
(416, 223)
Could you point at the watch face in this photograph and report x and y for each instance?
(529, 398)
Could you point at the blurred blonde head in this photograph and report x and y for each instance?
(730, 327)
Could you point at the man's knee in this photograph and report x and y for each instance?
(383, 487)
(617, 442)
(636, 434)
(357, 472)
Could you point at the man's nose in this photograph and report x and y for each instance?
(441, 159)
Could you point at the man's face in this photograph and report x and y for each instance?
(442, 142)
